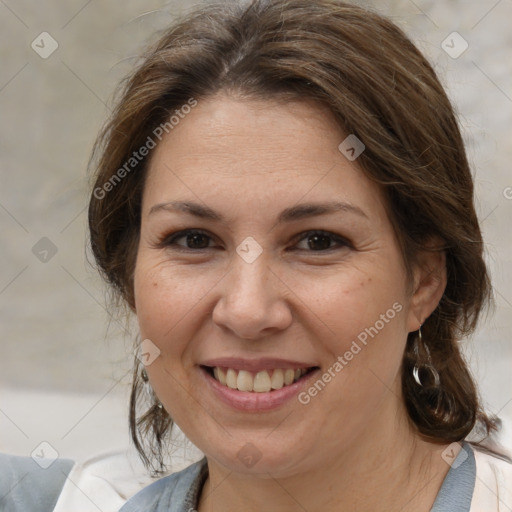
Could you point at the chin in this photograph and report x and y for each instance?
(255, 458)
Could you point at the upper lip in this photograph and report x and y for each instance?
(255, 365)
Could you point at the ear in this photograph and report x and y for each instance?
(429, 283)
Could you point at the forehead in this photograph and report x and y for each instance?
(264, 153)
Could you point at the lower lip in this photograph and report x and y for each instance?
(257, 402)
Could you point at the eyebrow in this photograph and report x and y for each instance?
(293, 213)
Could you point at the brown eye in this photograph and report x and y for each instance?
(197, 241)
(318, 241)
(193, 239)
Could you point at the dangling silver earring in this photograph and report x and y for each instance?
(424, 366)
(148, 389)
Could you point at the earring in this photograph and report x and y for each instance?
(148, 389)
(428, 366)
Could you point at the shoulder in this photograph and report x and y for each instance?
(493, 485)
(27, 485)
(173, 493)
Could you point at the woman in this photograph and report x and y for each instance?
(283, 199)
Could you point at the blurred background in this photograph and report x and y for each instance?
(65, 362)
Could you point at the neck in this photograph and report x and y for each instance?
(383, 469)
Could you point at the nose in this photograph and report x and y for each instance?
(252, 301)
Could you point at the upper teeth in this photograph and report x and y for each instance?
(261, 382)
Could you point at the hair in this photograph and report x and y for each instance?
(379, 87)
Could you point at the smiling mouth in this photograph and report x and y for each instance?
(257, 382)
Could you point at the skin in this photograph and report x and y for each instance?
(352, 446)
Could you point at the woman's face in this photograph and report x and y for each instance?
(291, 263)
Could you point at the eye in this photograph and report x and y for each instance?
(311, 241)
(191, 239)
(318, 241)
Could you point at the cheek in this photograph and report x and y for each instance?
(355, 303)
(163, 302)
(160, 300)
(167, 296)
(364, 318)
(362, 315)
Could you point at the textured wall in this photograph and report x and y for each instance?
(64, 363)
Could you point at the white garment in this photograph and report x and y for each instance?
(493, 484)
(104, 482)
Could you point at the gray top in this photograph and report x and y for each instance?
(458, 485)
(180, 492)
(27, 486)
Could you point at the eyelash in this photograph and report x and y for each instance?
(170, 240)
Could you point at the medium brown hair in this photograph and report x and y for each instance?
(379, 87)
